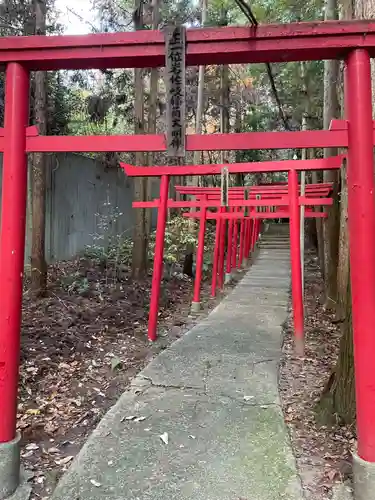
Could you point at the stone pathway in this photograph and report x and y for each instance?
(213, 397)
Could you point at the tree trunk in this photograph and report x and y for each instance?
(304, 156)
(365, 9)
(224, 92)
(140, 237)
(39, 178)
(343, 272)
(319, 229)
(224, 107)
(331, 224)
(200, 96)
(239, 178)
(29, 30)
(153, 101)
(343, 390)
(338, 399)
(194, 181)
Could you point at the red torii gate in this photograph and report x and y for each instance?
(249, 234)
(289, 198)
(352, 41)
(247, 243)
(162, 205)
(264, 191)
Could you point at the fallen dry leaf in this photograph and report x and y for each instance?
(164, 437)
(139, 419)
(64, 461)
(248, 398)
(32, 447)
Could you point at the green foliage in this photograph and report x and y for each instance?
(78, 284)
(110, 249)
(119, 252)
(60, 104)
(17, 18)
(180, 233)
(103, 103)
(180, 11)
(224, 13)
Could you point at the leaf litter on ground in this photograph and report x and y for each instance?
(80, 349)
(322, 453)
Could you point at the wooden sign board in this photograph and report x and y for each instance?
(224, 187)
(258, 209)
(246, 197)
(175, 47)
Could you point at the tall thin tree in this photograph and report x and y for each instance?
(224, 90)
(39, 177)
(331, 226)
(152, 108)
(140, 237)
(200, 90)
(197, 157)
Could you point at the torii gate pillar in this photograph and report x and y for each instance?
(12, 247)
(361, 220)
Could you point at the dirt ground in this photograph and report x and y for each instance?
(81, 345)
(322, 453)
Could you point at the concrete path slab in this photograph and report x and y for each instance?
(214, 394)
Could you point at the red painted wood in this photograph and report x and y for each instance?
(234, 203)
(235, 240)
(95, 143)
(338, 125)
(158, 258)
(214, 142)
(12, 243)
(268, 43)
(265, 197)
(223, 232)
(250, 224)
(242, 238)
(295, 255)
(361, 220)
(250, 189)
(230, 242)
(279, 214)
(254, 233)
(200, 255)
(31, 131)
(334, 162)
(215, 264)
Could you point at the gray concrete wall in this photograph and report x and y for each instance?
(81, 195)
